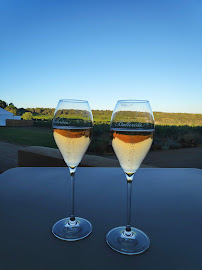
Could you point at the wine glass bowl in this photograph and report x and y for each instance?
(131, 130)
(72, 130)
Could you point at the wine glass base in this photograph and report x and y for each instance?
(64, 229)
(137, 243)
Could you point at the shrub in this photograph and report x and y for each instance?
(27, 116)
(190, 139)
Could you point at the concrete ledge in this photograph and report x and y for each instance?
(38, 156)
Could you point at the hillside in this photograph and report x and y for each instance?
(161, 118)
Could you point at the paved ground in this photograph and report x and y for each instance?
(9, 156)
(178, 158)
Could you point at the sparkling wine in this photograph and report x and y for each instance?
(72, 142)
(131, 147)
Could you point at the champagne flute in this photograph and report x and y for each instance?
(72, 130)
(132, 128)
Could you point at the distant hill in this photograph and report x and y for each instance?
(161, 118)
(178, 119)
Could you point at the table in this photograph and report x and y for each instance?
(166, 205)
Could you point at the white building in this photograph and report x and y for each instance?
(6, 115)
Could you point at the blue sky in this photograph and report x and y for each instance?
(102, 51)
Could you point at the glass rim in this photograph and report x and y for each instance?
(73, 100)
(134, 100)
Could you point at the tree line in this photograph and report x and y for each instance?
(20, 111)
(104, 116)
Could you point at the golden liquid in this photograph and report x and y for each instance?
(131, 147)
(73, 143)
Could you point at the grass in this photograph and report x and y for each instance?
(42, 116)
(28, 136)
(175, 136)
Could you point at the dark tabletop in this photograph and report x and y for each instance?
(166, 205)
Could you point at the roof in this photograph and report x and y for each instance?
(2, 111)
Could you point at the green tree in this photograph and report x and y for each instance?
(27, 116)
(11, 108)
(32, 110)
(38, 110)
(3, 104)
(21, 111)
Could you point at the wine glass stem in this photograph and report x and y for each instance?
(129, 196)
(72, 176)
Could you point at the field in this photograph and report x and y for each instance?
(28, 136)
(172, 131)
(166, 137)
